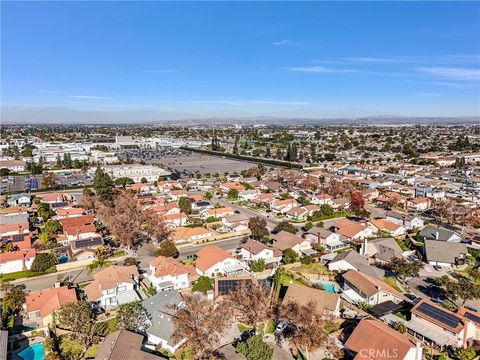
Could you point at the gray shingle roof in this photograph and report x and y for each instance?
(442, 251)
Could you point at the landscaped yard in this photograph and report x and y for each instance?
(392, 282)
(313, 268)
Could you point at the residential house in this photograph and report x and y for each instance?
(175, 220)
(383, 250)
(22, 199)
(247, 195)
(185, 234)
(408, 221)
(68, 212)
(13, 165)
(359, 287)
(55, 200)
(113, 286)
(341, 203)
(439, 327)
(285, 240)
(263, 199)
(443, 253)
(15, 261)
(201, 205)
(166, 273)
(283, 206)
(235, 223)
(253, 250)
(351, 229)
(212, 261)
(352, 260)
(40, 305)
(329, 240)
(387, 226)
(231, 185)
(322, 199)
(419, 204)
(161, 308)
(297, 213)
(124, 344)
(326, 303)
(217, 212)
(440, 234)
(373, 339)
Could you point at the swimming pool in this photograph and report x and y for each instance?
(33, 352)
(329, 286)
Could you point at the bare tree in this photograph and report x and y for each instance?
(201, 322)
(128, 223)
(250, 303)
(307, 326)
(49, 180)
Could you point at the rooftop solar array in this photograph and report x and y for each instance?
(87, 242)
(226, 286)
(440, 315)
(472, 317)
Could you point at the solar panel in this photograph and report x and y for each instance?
(444, 317)
(472, 317)
(88, 242)
(226, 286)
(18, 237)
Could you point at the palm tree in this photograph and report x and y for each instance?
(99, 263)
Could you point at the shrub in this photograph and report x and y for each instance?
(203, 284)
(43, 262)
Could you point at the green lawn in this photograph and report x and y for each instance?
(392, 282)
(402, 245)
(313, 268)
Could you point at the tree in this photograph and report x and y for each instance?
(167, 248)
(250, 302)
(128, 223)
(185, 205)
(14, 298)
(132, 316)
(404, 268)
(129, 261)
(103, 184)
(465, 354)
(357, 202)
(258, 227)
(327, 210)
(307, 226)
(289, 256)
(143, 180)
(208, 196)
(124, 181)
(44, 211)
(201, 322)
(88, 199)
(203, 284)
(308, 326)
(258, 265)
(43, 262)
(463, 289)
(50, 231)
(255, 348)
(285, 226)
(78, 317)
(232, 194)
(96, 264)
(49, 180)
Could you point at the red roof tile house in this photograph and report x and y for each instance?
(14, 261)
(284, 240)
(40, 305)
(186, 234)
(282, 206)
(55, 200)
(69, 212)
(166, 273)
(351, 229)
(213, 261)
(80, 231)
(375, 340)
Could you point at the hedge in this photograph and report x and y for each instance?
(283, 163)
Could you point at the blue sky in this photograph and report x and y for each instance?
(187, 59)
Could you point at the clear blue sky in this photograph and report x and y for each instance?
(239, 59)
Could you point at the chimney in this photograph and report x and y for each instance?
(364, 247)
(418, 350)
(465, 333)
(24, 265)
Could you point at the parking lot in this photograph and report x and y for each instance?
(16, 183)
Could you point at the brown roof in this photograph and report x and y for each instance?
(435, 321)
(209, 256)
(256, 247)
(368, 285)
(348, 228)
(284, 240)
(53, 197)
(378, 336)
(123, 345)
(108, 278)
(169, 266)
(186, 233)
(13, 210)
(17, 255)
(69, 211)
(303, 295)
(76, 221)
(383, 224)
(48, 300)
